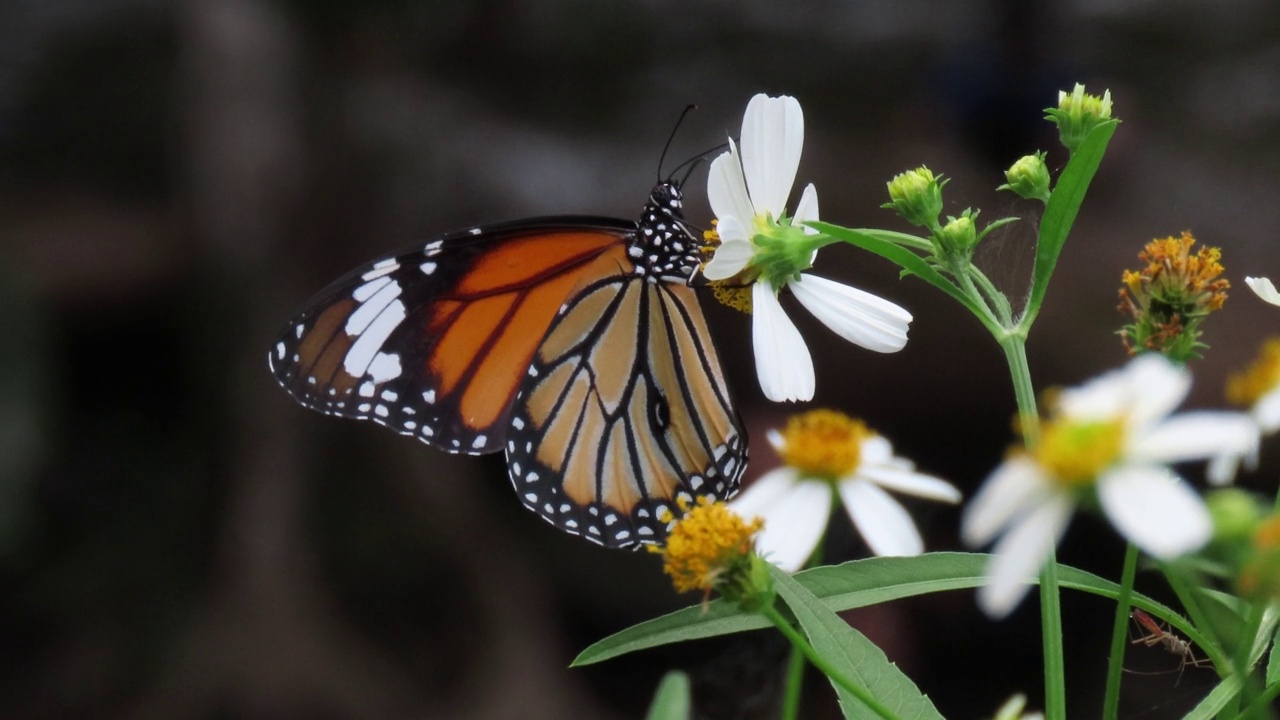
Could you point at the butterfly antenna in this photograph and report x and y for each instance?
(692, 163)
(672, 137)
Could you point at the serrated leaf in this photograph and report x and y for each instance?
(853, 656)
(671, 701)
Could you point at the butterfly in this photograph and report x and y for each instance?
(575, 345)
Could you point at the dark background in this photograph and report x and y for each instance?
(179, 540)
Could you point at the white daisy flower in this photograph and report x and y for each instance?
(1112, 436)
(748, 192)
(827, 453)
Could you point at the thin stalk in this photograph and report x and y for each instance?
(993, 295)
(795, 683)
(800, 643)
(1055, 682)
(1120, 635)
(1015, 353)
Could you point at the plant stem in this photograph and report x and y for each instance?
(795, 682)
(800, 643)
(1055, 682)
(1119, 634)
(1015, 353)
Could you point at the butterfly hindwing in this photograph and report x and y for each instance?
(624, 415)
(433, 341)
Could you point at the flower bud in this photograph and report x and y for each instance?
(1029, 178)
(1235, 514)
(916, 195)
(959, 235)
(1077, 114)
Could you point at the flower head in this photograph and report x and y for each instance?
(916, 195)
(1078, 113)
(1171, 297)
(760, 245)
(1257, 389)
(1028, 178)
(1259, 579)
(1111, 439)
(829, 454)
(712, 548)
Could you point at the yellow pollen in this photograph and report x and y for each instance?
(1267, 536)
(1075, 453)
(705, 544)
(1247, 387)
(824, 443)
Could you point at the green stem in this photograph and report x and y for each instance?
(800, 643)
(1261, 703)
(1015, 353)
(795, 682)
(1055, 681)
(993, 295)
(1120, 635)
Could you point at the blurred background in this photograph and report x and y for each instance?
(178, 539)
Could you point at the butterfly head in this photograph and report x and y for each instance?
(664, 248)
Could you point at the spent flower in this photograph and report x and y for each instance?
(757, 243)
(1171, 296)
(1111, 439)
(712, 548)
(828, 454)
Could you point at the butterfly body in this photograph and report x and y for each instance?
(573, 344)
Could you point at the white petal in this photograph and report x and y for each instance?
(764, 493)
(1020, 554)
(730, 258)
(794, 524)
(882, 522)
(875, 450)
(1157, 386)
(1195, 436)
(727, 190)
(1155, 509)
(783, 364)
(772, 139)
(1263, 288)
(859, 317)
(1222, 469)
(730, 229)
(807, 209)
(910, 483)
(1011, 490)
(1267, 411)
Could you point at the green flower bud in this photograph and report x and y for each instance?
(1235, 514)
(1077, 114)
(916, 195)
(959, 234)
(1029, 178)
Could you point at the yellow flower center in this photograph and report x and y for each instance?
(824, 443)
(1247, 387)
(1075, 453)
(709, 542)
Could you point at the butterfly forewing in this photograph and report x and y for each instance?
(624, 415)
(432, 342)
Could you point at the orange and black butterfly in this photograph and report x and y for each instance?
(574, 344)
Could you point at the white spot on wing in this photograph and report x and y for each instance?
(370, 309)
(372, 338)
(366, 291)
(385, 366)
(280, 350)
(382, 267)
(366, 389)
(478, 442)
(427, 268)
(429, 396)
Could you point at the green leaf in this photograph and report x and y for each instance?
(843, 587)
(1273, 661)
(1060, 212)
(853, 656)
(671, 701)
(1212, 704)
(916, 265)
